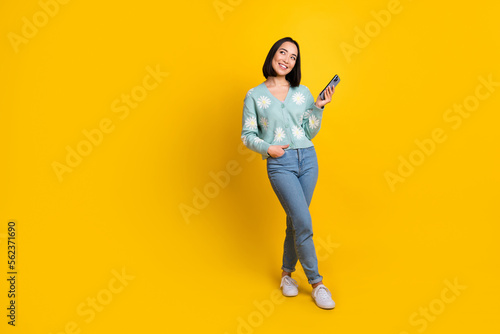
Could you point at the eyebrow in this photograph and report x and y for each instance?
(293, 54)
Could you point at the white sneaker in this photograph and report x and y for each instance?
(323, 297)
(289, 286)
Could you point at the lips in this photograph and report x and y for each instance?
(283, 66)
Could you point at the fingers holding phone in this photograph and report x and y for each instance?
(327, 94)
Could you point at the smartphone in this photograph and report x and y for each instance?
(332, 83)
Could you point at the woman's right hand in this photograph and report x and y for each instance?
(277, 151)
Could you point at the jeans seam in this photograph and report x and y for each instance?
(289, 235)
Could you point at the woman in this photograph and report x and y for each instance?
(280, 118)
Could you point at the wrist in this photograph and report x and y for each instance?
(267, 151)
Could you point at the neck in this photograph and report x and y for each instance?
(279, 80)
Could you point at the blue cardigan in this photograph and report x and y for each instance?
(268, 121)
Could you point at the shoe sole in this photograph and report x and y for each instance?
(289, 295)
(283, 293)
(324, 308)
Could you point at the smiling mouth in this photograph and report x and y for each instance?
(283, 66)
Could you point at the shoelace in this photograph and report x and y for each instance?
(288, 281)
(322, 293)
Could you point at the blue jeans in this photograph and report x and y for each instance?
(293, 177)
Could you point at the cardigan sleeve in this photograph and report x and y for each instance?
(250, 128)
(311, 120)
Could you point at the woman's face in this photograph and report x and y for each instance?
(284, 59)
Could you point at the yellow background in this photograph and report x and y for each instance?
(384, 254)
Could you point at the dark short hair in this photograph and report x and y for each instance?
(268, 70)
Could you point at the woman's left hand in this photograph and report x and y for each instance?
(328, 97)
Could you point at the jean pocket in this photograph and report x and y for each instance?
(281, 156)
